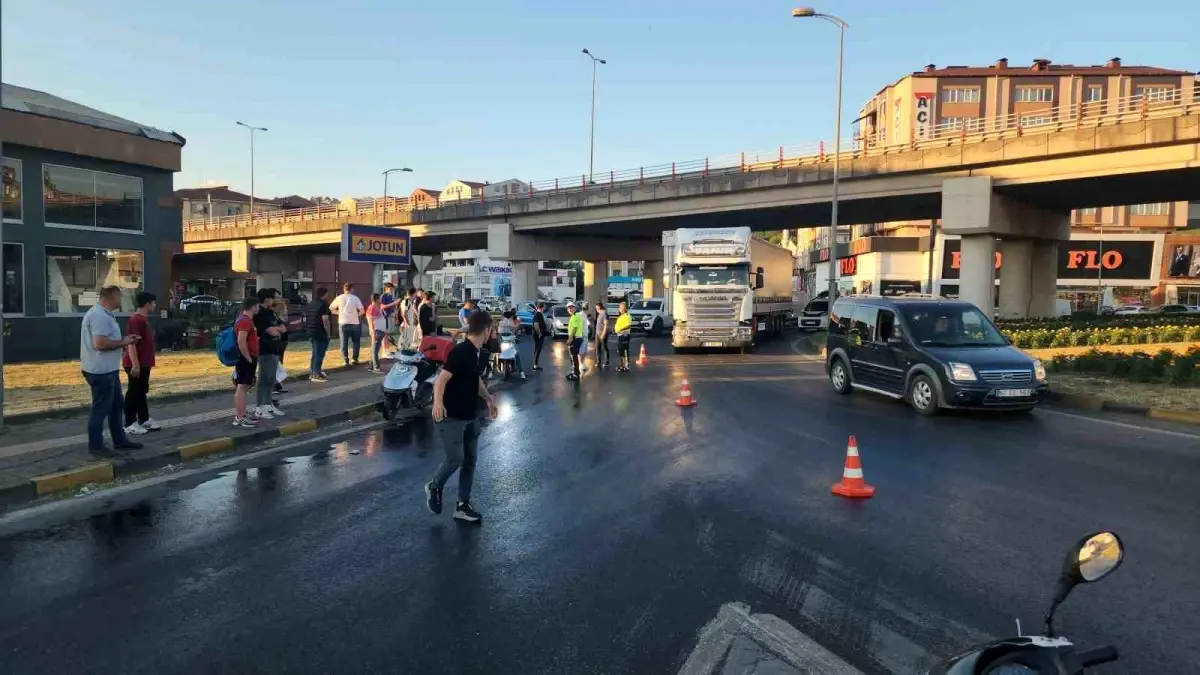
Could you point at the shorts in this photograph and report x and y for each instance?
(244, 372)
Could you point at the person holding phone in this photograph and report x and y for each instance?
(100, 349)
(456, 394)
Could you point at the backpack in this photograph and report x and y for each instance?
(227, 348)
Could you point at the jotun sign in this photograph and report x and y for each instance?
(1087, 259)
(383, 245)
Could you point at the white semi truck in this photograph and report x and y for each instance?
(726, 288)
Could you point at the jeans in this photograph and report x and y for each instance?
(460, 440)
(602, 346)
(576, 345)
(317, 365)
(377, 342)
(351, 331)
(538, 343)
(136, 408)
(107, 402)
(268, 371)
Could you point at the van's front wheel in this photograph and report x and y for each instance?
(839, 377)
(922, 395)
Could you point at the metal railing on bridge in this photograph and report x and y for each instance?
(1051, 119)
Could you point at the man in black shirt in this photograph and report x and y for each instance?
(270, 351)
(456, 394)
(540, 331)
(318, 321)
(427, 316)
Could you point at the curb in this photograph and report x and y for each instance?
(107, 472)
(59, 413)
(1095, 403)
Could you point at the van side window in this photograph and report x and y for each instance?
(841, 317)
(887, 327)
(864, 321)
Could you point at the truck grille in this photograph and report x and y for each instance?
(1005, 377)
(711, 320)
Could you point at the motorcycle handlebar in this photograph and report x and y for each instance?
(1095, 657)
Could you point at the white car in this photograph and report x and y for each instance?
(1131, 309)
(815, 315)
(199, 300)
(648, 315)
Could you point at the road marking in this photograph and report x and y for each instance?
(736, 640)
(1123, 425)
(53, 443)
(10, 522)
(755, 378)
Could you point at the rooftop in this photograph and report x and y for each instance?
(1044, 68)
(219, 193)
(34, 102)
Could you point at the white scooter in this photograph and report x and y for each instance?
(506, 360)
(408, 385)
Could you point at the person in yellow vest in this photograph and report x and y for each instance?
(623, 327)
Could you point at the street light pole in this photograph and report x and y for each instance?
(592, 126)
(807, 13)
(385, 187)
(252, 130)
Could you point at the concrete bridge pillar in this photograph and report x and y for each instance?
(595, 282)
(1029, 234)
(652, 279)
(524, 281)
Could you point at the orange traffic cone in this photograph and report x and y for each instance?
(643, 359)
(852, 483)
(685, 396)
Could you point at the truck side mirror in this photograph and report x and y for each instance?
(758, 278)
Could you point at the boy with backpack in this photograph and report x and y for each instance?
(246, 337)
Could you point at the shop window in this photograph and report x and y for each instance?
(91, 199)
(74, 277)
(13, 211)
(1160, 209)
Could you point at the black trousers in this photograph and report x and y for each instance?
(538, 343)
(602, 346)
(623, 348)
(136, 408)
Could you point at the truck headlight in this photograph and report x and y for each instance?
(960, 372)
(1039, 370)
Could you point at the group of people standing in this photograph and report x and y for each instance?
(577, 338)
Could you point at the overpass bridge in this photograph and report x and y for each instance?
(1023, 181)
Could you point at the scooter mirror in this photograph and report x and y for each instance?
(1097, 557)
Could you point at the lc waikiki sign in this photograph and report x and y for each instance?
(383, 245)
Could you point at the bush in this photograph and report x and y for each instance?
(1165, 367)
(1041, 338)
(1078, 321)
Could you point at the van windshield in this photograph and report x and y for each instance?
(960, 326)
(558, 311)
(817, 306)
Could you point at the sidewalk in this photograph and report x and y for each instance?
(48, 446)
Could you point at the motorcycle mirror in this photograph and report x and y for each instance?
(1091, 559)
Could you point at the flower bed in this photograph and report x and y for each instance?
(1041, 338)
(1165, 367)
(1085, 321)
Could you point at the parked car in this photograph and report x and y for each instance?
(1129, 309)
(934, 353)
(649, 316)
(1176, 309)
(815, 315)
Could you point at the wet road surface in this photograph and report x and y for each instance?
(617, 526)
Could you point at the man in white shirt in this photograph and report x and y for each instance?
(349, 311)
(100, 349)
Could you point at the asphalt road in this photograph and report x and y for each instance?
(617, 526)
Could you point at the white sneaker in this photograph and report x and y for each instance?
(522, 376)
(151, 425)
(275, 411)
(135, 429)
(263, 413)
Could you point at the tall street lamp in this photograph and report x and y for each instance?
(385, 181)
(810, 13)
(592, 130)
(252, 130)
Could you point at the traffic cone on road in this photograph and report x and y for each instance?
(643, 359)
(685, 396)
(852, 483)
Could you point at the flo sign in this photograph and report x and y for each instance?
(381, 245)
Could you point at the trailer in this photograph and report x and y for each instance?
(727, 288)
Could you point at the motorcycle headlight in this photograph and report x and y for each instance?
(1039, 371)
(960, 372)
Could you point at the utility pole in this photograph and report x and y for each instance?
(592, 127)
(252, 130)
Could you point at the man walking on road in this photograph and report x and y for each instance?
(349, 311)
(318, 321)
(456, 394)
(247, 365)
(138, 360)
(574, 338)
(540, 330)
(100, 347)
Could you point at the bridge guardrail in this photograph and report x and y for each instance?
(1051, 119)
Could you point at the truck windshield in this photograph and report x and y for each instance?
(952, 327)
(714, 275)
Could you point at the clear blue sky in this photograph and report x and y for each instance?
(496, 90)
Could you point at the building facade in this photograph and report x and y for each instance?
(87, 204)
(218, 201)
(472, 275)
(458, 190)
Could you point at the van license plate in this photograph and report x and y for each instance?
(712, 344)
(762, 325)
(1014, 393)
